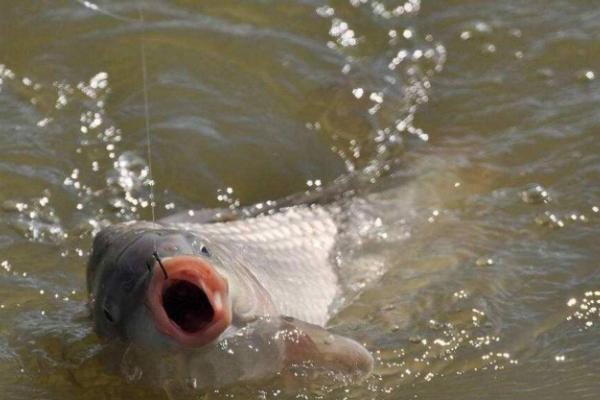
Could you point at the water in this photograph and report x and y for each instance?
(476, 121)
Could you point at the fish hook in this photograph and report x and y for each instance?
(162, 267)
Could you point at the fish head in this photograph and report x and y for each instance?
(157, 286)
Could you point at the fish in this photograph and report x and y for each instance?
(225, 301)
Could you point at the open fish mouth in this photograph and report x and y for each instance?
(189, 300)
(187, 305)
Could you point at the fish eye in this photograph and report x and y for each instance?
(108, 316)
(205, 251)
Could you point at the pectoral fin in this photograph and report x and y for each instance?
(285, 351)
(314, 355)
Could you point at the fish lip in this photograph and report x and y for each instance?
(201, 273)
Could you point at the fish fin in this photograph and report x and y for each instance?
(288, 353)
(315, 353)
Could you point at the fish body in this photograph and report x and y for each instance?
(235, 301)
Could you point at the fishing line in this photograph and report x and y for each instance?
(147, 128)
(147, 113)
(141, 21)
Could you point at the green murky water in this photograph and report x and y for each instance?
(475, 124)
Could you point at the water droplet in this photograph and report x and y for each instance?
(535, 194)
(489, 48)
(484, 262)
(585, 75)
